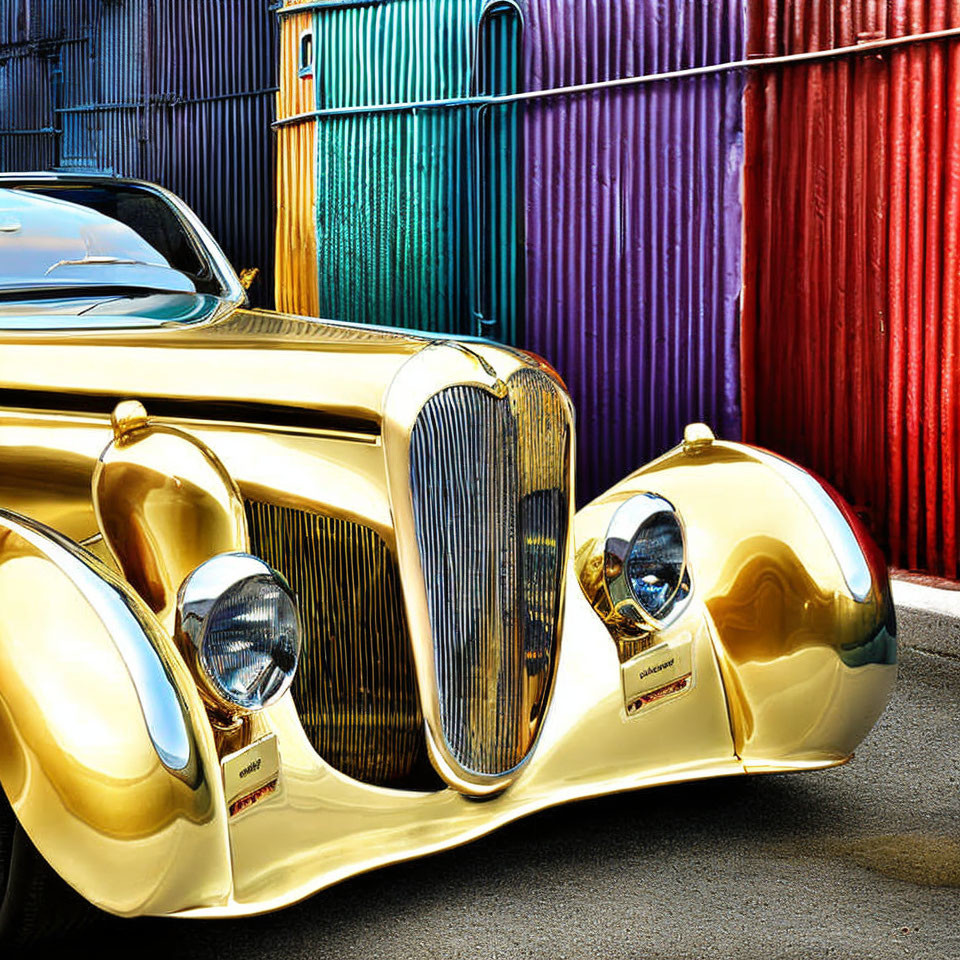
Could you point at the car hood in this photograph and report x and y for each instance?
(254, 365)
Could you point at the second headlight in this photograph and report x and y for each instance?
(645, 565)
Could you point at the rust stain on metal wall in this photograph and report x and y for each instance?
(852, 233)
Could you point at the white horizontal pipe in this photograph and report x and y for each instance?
(751, 63)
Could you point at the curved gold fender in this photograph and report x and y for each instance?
(164, 504)
(796, 591)
(105, 751)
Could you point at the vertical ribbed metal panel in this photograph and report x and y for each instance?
(355, 688)
(392, 219)
(399, 51)
(394, 189)
(296, 242)
(212, 73)
(28, 139)
(179, 92)
(633, 223)
(852, 225)
(601, 231)
(31, 78)
(500, 295)
(489, 479)
(419, 218)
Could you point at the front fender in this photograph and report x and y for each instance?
(795, 592)
(106, 754)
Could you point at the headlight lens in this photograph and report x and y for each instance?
(238, 624)
(645, 560)
(655, 562)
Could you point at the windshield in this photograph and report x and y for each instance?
(95, 239)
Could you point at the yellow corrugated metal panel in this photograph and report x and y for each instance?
(296, 285)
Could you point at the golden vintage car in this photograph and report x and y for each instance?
(284, 600)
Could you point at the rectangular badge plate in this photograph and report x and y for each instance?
(251, 773)
(656, 675)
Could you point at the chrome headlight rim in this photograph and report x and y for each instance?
(202, 592)
(625, 527)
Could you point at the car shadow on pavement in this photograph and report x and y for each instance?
(553, 851)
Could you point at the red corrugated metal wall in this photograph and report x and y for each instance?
(852, 235)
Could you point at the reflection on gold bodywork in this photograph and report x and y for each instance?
(772, 607)
(105, 754)
(807, 667)
(299, 417)
(164, 504)
(322, 827)
(790, 646)
(631, 637)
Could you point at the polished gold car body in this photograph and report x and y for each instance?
(112, 758)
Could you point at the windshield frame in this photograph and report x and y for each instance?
(230, 292)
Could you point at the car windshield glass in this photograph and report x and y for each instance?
(54, 236)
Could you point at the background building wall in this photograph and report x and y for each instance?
(297, 288)
(180, 92)
(633, 222)
(601, 230)
(392, 184)
(852, 235)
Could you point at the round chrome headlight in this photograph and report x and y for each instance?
(238, 627)
(644, 564)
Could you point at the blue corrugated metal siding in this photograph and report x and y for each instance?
(28, 138)
(177, 92)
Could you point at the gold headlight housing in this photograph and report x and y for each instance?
(645, 561)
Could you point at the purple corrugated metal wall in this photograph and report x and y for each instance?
(633, 222)
(174, 91)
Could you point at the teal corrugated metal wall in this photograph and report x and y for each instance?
(405, 227)
(391, 246)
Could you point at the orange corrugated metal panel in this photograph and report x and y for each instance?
(296, 285)
(852, 231)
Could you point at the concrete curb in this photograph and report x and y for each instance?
(928, 616)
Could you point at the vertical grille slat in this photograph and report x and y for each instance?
(490, 484)
(355, 687)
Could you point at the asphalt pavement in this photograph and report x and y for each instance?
(857, 863)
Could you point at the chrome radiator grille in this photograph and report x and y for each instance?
(355, 688)
(490, 484)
